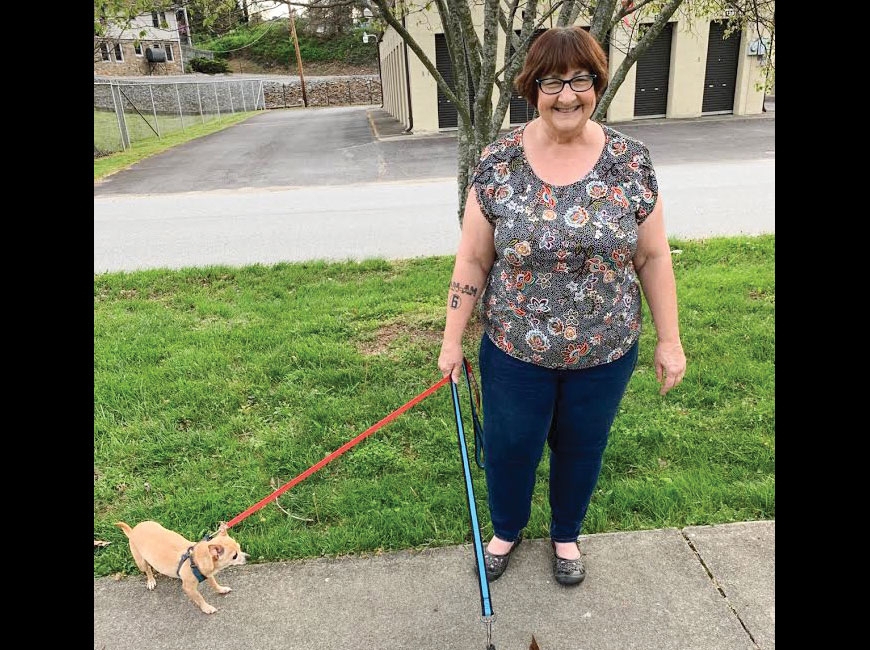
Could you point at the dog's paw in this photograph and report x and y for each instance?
(208, 609)
(151, 583)
(224, 590)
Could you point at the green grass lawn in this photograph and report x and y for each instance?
(144, 139)
(215, 386)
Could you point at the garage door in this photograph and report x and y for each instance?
(720, 80)
(521, 110)
(653, 69)
(447, 115)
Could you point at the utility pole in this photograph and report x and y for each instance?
(298, 56)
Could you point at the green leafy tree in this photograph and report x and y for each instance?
(329, 18)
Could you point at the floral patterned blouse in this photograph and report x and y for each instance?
(563, 292)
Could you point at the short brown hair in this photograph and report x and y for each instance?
(558, 50)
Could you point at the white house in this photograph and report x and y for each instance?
(150, 44)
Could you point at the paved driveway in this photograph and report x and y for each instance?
(337, 146)
(287, 148)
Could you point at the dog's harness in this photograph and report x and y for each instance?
(188, 555)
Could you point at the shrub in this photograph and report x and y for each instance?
(209, 66)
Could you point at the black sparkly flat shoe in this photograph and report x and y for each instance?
(568, 572)
(497, 564)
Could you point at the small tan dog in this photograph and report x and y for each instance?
(169, 553)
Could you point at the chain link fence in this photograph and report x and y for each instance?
(131, 111)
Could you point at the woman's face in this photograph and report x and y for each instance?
(567, 111)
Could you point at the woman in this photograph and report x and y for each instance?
(562, 228)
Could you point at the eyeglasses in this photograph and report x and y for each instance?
(554, 85)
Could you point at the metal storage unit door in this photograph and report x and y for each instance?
(653, 68)
(521, 110)
(447, 116)
(720, 79)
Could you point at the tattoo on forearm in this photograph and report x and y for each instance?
(455, 301)
(468, 290)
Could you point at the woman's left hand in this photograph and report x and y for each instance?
(670, 365)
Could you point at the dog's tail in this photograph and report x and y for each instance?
(127, 530)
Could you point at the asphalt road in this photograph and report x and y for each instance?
(295, 185)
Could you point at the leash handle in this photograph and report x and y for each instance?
(474, 398)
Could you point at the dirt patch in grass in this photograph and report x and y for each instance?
(392, 335)
(388, 335)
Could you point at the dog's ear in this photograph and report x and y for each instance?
(216, 551)
(205, 557)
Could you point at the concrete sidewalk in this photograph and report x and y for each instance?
(705, 588)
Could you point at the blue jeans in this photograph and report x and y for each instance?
(526, 405)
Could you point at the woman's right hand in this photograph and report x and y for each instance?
(450, 360)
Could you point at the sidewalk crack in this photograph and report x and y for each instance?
(720, 589)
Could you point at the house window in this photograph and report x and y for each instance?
(155, 21)
(104, 51)
(163, 18)
(137, 48)
(169, 51)
(182, 27)
(119, 53)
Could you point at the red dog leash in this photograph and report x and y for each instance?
(338, 452)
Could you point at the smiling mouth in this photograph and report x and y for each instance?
(566, 109)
